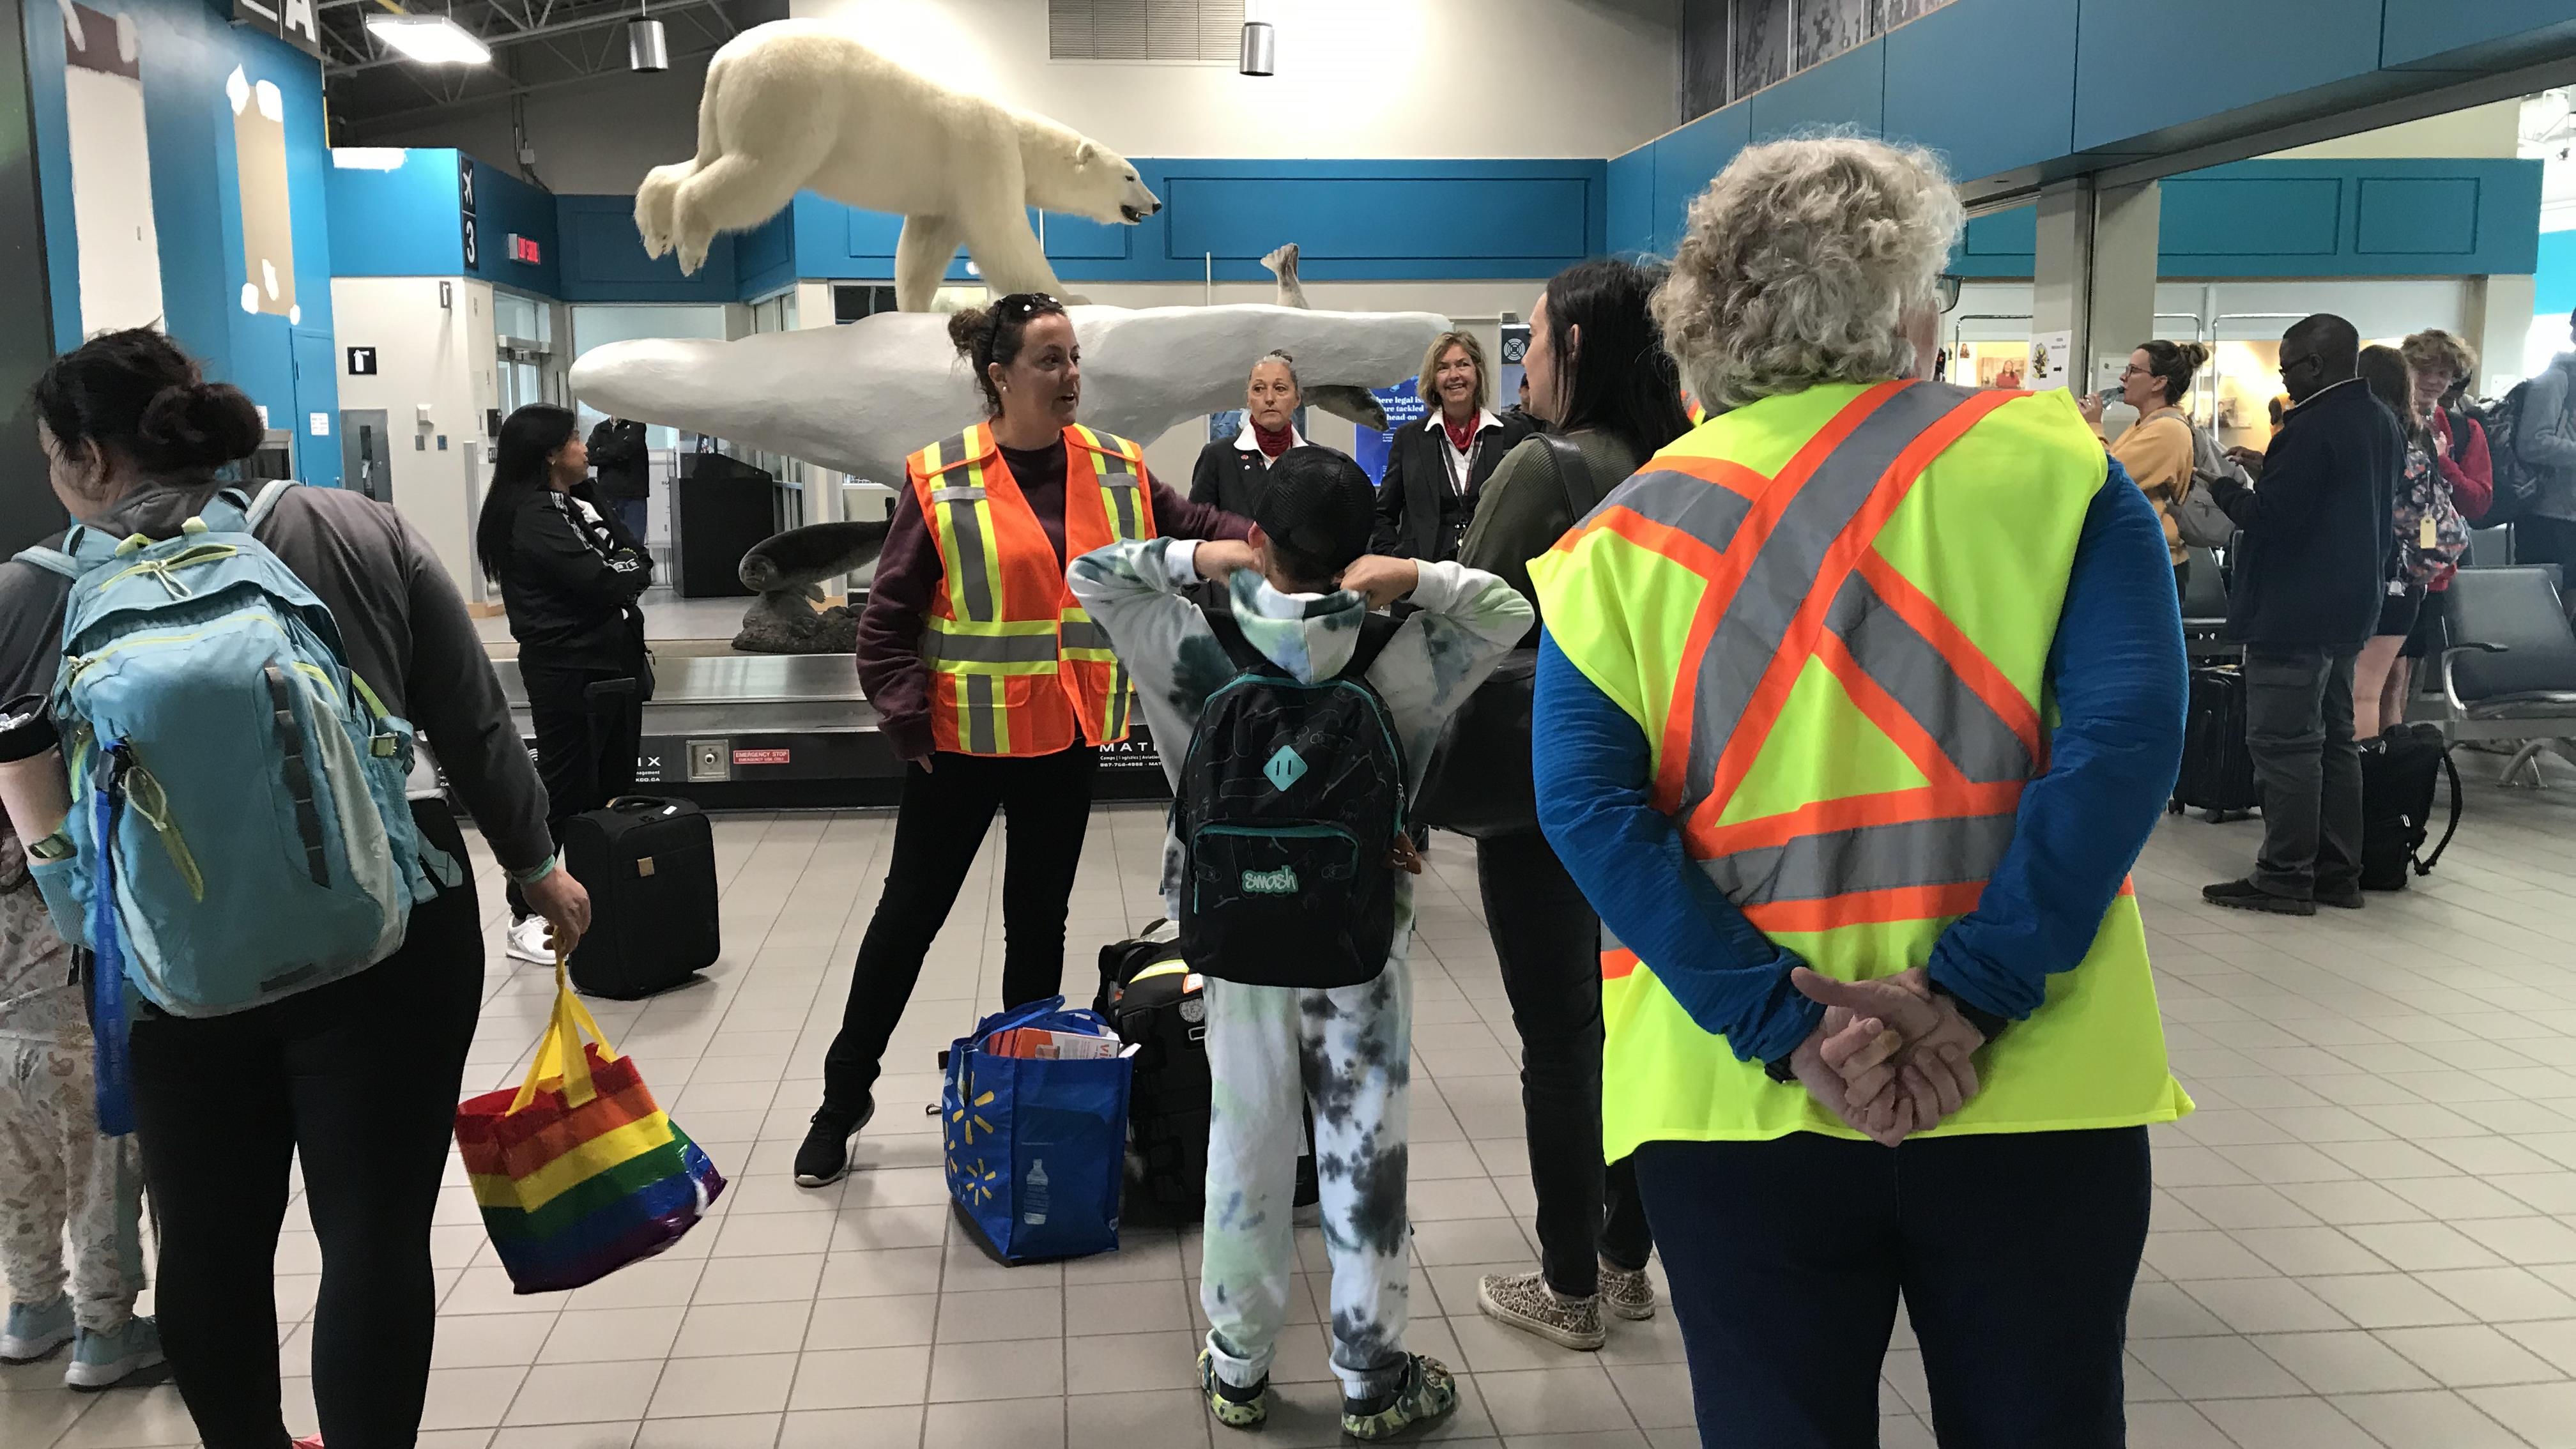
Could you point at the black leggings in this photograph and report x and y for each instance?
(1549, 943)
(359, 1079)
(946, 811)
(589, 725)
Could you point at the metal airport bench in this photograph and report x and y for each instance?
(2510, 672)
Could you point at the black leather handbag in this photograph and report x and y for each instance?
(1480, 783)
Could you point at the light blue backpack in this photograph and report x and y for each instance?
(238, 817)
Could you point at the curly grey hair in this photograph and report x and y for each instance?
(1801, 262)
(1284, 360)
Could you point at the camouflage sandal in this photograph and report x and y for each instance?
(1427, 1393)
(1235, 1408)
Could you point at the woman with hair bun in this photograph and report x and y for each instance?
(2157, 448)
(992, 685)
(226, 1105)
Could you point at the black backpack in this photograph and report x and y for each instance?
(2517, 483)
(2398, 771)
(1288, 802)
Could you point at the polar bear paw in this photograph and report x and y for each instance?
(655, 201)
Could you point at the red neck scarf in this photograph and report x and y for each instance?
(1273, 443)
(1461, 435)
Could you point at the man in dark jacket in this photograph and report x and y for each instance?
(2309, 581)
(625, 470)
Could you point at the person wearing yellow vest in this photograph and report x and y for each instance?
(1855, 706)
(989, 681)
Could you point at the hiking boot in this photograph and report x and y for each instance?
(527, 942)
(104, 1360)
(2351, 900)
(35, 1330)
(1628, 1292)
(1524, 1301)
(1426, 1393)
(1234, 1408)
(2245, 895)
(825, 1157)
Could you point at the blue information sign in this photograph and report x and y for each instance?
(1403, 405)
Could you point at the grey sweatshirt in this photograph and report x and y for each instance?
(2546, 436)
(401, 620)
(1466, 621)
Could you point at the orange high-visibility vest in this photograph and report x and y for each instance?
(1017, 667)
(1831, 613)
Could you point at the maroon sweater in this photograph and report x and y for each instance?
(891, 671)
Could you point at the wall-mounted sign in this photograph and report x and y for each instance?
(465, 210)
(289, 20)
(362, 362)
(524, 249)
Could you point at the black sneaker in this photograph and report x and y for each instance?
(2351, 900)
(825, 1157)
(2245, 895)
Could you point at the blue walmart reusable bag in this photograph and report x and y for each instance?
(1037, 1149)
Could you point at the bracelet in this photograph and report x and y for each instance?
(535, 874)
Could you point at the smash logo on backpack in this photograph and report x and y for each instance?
(1288, 801)
(238, 822)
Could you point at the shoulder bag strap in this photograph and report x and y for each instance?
(1568, 461)
(2425, 865)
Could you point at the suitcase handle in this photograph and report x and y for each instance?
(636, 804)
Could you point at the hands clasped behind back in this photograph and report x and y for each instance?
(1890, 1058)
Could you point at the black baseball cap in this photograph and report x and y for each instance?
(1319, 506)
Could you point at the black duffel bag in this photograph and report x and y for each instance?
(1479, 783)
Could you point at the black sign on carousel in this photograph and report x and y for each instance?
(465, 210)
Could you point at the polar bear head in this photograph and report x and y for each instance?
(1088, 179)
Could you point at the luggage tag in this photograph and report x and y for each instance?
(2426, 536)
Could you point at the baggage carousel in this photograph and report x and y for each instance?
(788, 732)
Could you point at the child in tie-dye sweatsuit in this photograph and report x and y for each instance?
(55, 1168)
(1350, 1047)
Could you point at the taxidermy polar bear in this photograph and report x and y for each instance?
(859, 398)
(798, 104)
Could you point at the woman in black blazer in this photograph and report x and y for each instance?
(1436, 467)
(1233, 472)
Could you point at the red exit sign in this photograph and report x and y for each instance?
(524, 249)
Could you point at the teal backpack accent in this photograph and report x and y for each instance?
(238, 813)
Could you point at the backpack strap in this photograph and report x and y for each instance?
(267, 499)
(1376, 632)
(2424, 865)
(1247, 659)
(51, 560)
(1569, 463)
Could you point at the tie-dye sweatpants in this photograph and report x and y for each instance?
(1349, 1051)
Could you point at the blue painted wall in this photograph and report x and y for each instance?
(504, 204)
(2554, 279)
(397, 223)
(187, 53)
(604, 261)
(2025, 89)
(2361, 218)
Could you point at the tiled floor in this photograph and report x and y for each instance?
(2366, 1236)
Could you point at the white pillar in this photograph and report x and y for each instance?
(2095, 275)
(2499, 321)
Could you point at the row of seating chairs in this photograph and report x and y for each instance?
(2508, 668)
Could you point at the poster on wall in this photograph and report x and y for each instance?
(268, 227)
(1403, 405)
(2049, 352)
(119, 243)
(1507, 383)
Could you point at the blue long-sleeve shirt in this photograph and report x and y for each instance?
(2118, 672)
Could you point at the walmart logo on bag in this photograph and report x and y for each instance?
(1280, 882)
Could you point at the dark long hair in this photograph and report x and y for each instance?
(2383, 370)
(529, 438)
(1624, 383)
(136, 393)
(987, 335)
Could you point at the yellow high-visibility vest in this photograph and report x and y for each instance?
(1830, 613)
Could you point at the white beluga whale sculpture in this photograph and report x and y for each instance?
(862, 397)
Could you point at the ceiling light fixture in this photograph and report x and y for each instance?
(647, 49)
(1260, 54)
(430, 39)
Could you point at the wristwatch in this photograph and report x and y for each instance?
(1986, 1022)
(1780, 1070)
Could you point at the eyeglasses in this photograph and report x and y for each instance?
(1946, 288)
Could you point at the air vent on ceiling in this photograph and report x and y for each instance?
(1205, 31)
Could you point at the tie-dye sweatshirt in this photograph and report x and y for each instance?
(1466, 620)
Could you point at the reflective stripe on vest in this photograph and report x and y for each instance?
(1789, 634)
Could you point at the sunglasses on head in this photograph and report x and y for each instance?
(1021, 305)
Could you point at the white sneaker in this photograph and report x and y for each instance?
(527, 942)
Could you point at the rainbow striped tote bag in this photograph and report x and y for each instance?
(579, 1172)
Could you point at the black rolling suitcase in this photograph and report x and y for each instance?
(650, 867)
(2217, 768)
(2397, 774)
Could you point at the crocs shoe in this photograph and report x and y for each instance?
(1234, 1408)
(35, 1330)
(1627, 1292)
(1427, 1393)
(104, 1360)
(527, 942)
(1524, 1301)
